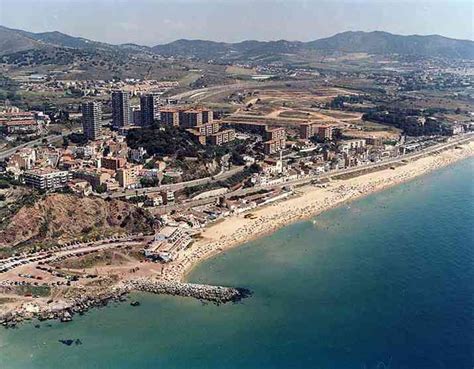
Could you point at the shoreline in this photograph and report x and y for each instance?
(309, 202)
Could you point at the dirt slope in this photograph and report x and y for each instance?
(61, 217)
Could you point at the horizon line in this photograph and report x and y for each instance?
(236, 42)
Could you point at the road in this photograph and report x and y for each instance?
(201, 94)
(177, 186)
(67, 251)
(71, 250)
(334, 173)
(51, 138)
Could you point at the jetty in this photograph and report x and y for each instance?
(65, 311)
(216, 294)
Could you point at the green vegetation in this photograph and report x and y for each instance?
(241, 176)
(404, 120)
(164, 141)
(194, 190)
(149, 182)
(76, 138)
(192, 158)
(42, 291)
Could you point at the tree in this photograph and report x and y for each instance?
(101, 188)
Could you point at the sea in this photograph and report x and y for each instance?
(383, 282)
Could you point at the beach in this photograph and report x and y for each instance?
(308, 202)
(384, 278)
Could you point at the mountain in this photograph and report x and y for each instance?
(15, 40)
(11, 41)
(378, 42)
(77, 56)
(201, 49)
(22, 48)
(62, 40)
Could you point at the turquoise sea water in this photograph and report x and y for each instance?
(384, 282)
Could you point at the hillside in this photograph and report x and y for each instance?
(15, 40)
(23, 52)
(386, 43)
(66, 217)
(11, 42)
(377, 43)
(79, 57)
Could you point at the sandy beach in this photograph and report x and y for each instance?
(308, 202)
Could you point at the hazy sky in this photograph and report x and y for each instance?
(151, 22)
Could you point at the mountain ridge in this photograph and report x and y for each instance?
(374, 43)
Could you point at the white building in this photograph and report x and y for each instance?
(47, 179)
(167, 243)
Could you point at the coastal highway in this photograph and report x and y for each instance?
(51, 138)
(302, 181)
(177, 186)
(68, 251)
(71, 250)
(407, 157)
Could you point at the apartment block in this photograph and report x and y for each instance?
(308, 130)
(121, 112)
(128, 176)
(275, 140)
(325, 132)
(148, 109)
(46, 179)
(92, 119)
(190, 118)
(274, 134)
(208, 128)
(221, 137)
(170, 117)
(112, 163)
(273, 146)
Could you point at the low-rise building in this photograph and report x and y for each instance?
(354, 144)
(154, 199)
(137, 155)
(374, 141)
(23, 159)
(96, 177)
(168, 197)
(456, 129)
(20, 127)
(16, 122)
(46, 179)
(80, 187)
(167, 243)
(112, 163)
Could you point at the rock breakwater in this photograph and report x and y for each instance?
(216, 294)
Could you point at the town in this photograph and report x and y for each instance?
(106, 182)
(189, 165)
